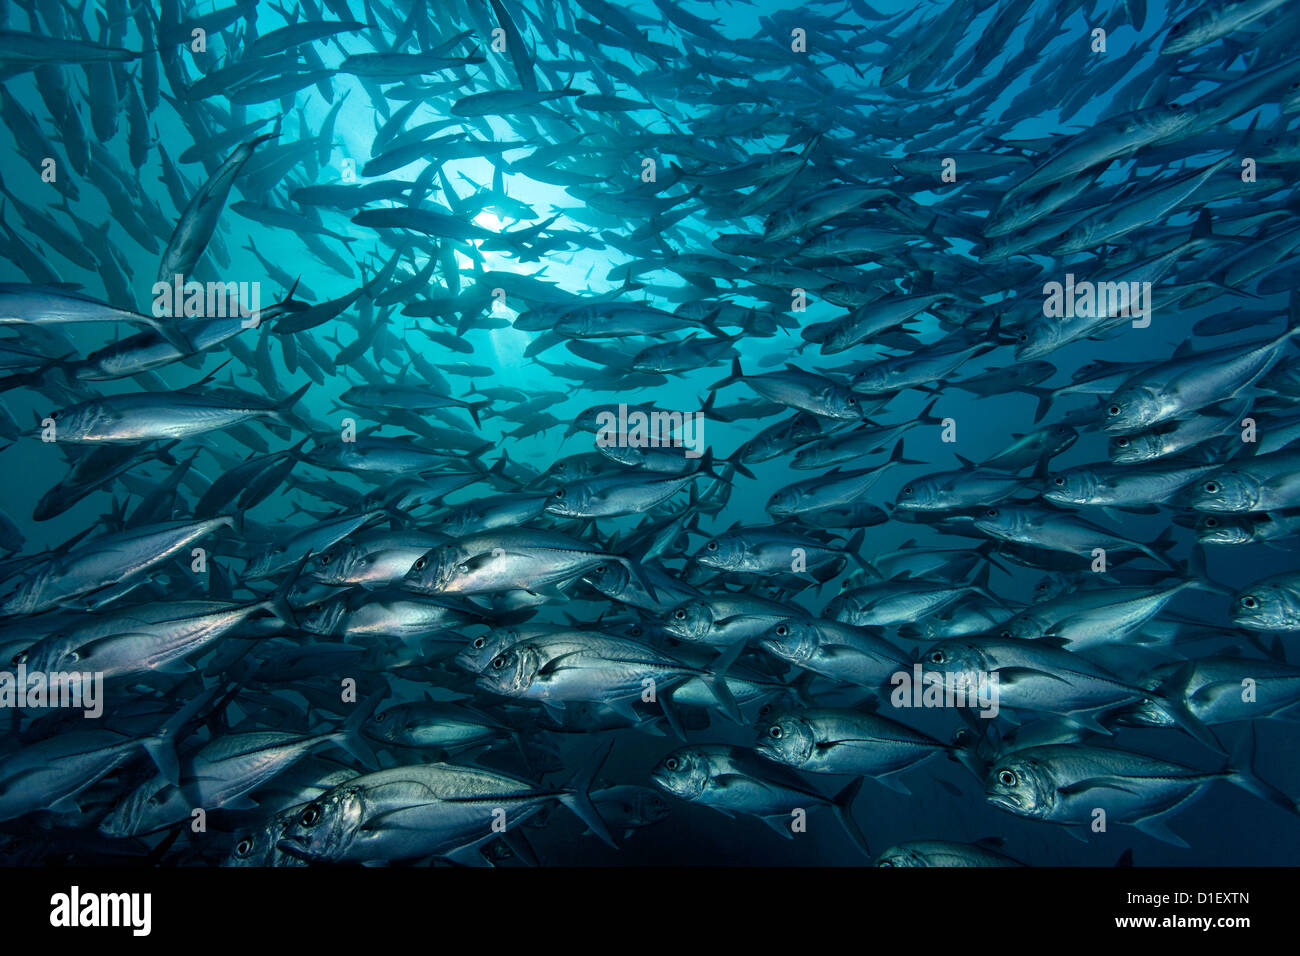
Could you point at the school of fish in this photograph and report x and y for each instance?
(499, 432)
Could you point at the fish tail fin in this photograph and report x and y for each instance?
(737, 466)
(896, 457)
(735, 376)
(35, 376)
(474, 408)
(289, 303)
(577, 795)
(161, 746)
(350, 737)
(716, 681)
(1172, 697)
(1045, 397)
(842, 807)
(638, 573)
(1241, 771)
(853, 548)
(925, 418)
(284, 410)
(705, 465)
(1158, 550)
(172, 333)
(277, 602)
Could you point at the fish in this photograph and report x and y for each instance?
(1067, 784)
(733, 780)
(844, 741)
(421, 810)
(943, 853)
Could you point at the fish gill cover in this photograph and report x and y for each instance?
(615, 433)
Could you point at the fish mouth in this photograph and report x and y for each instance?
(764, 749)
(1004, 800)
(294, 846)
(486, 682)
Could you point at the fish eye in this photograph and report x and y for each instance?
(1114, 410)
(775, 732)
(1006, 635)
(558, 493)
(498, 662)
(53, 416)
(19, 658)
(1250, 602)
(325, 558)
(1059, 481)
(712, 546)
(1007, 778)
(884, 863)
(782, 630)
(310, 816)
(380, 718)
(937, 657)
(479, 642)
(243, 848)
(679, 614)
(419, 564)
(1121, 442)
(635, 630)
(1211, 523)
(1211, 487)
(907, 490)
(672, 763)
(992, 512)
(73, 657)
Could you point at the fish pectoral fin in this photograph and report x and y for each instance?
(724, 780)
(178, 666)
(240, 803)
(1155, 827)
(1096, 783)
(549, 590)
(1009, 676)
(555, 664)
(623, 707)
(894, 782)
(840, 651)
(781, 824)
(65, 805)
